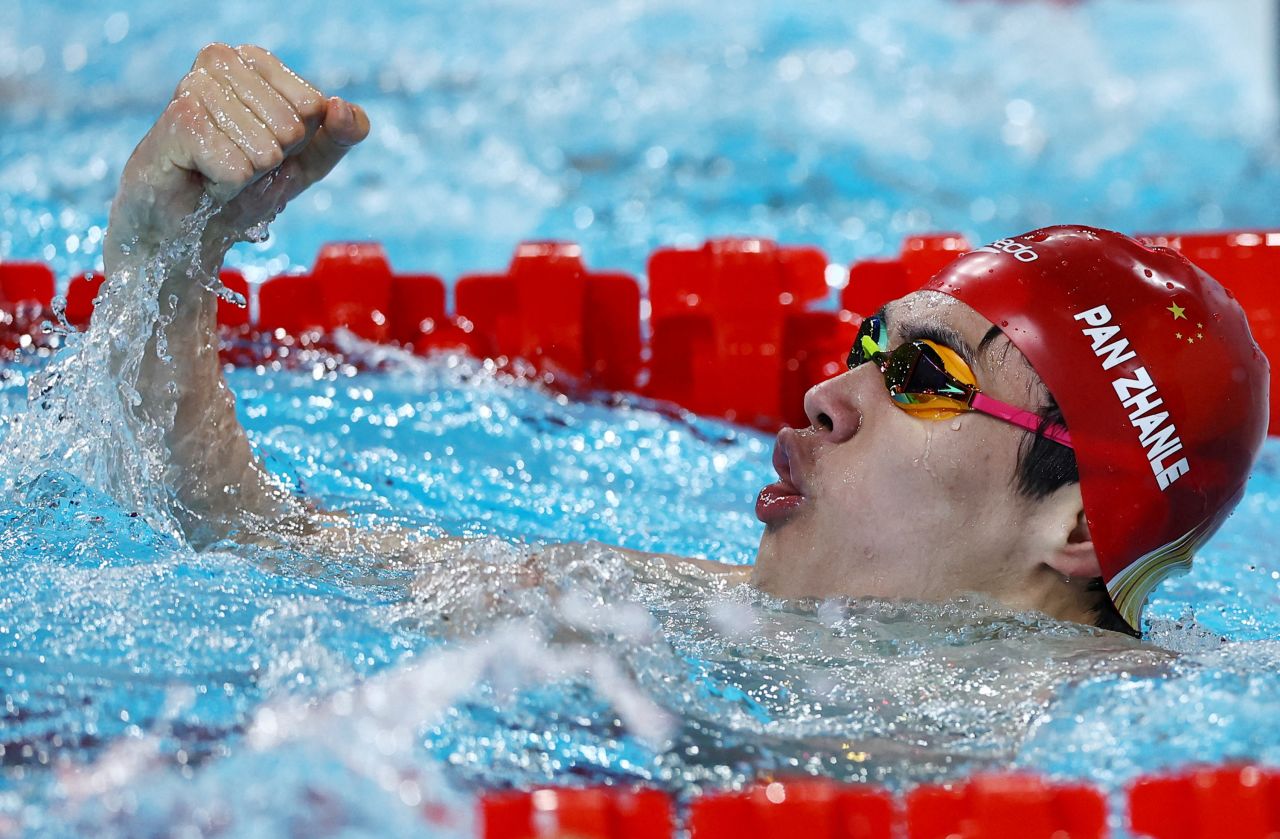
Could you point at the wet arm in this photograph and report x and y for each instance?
(732, 573)
(250, 134)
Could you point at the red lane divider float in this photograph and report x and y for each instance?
(548, 309)
(82, 291)
(229, 314)
(26, 290)
(874, 282)
(734, 331)
(718, 317)
(1242, 802)
(26, 283)
(604, 813)
(1005, 806)
(809, 807)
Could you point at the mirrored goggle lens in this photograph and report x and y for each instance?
(872, 338)
(917, 378)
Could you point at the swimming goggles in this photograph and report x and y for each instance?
(931, 381)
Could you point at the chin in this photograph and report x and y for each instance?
(764, 550)
(766, 561)
(777, 565)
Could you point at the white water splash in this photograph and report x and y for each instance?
(85, 414)
(371, 730)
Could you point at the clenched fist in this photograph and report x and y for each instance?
(243, 128)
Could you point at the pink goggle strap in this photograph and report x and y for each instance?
(1023, 419)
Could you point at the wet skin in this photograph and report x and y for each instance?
(882, 503)
(877, 502)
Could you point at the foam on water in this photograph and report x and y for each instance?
(86, 415)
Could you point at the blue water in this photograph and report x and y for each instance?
(148, 688)
(321, 675)
(629, 124)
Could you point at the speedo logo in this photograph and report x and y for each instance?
(1019, 251)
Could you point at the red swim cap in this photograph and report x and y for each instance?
(1161, 384)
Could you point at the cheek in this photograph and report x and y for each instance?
(918, 475)
(878, 477)
(976, 477)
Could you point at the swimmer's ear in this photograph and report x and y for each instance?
(1076, 557)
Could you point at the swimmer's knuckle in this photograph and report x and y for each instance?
(216, 161)
(291, 133)
(198, 81)
(239, 174)
(310, 104)
(212, 53)
(254, 55)
(220, 178)
(270, 158)
(186, 109)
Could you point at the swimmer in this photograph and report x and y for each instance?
(1056, 421)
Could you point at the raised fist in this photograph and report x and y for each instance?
(241, 127)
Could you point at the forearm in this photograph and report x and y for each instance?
(242, 135)
(175, 388)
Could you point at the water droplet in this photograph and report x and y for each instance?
(1148, 272)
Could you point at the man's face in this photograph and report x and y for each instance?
(897, 506)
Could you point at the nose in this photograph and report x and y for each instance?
(832, 406)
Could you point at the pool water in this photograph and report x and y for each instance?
(632, 124)
(149, 688)
(148, 685)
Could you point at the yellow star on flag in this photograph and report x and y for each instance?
(1177, 311)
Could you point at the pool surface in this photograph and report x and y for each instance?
(152, 689)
